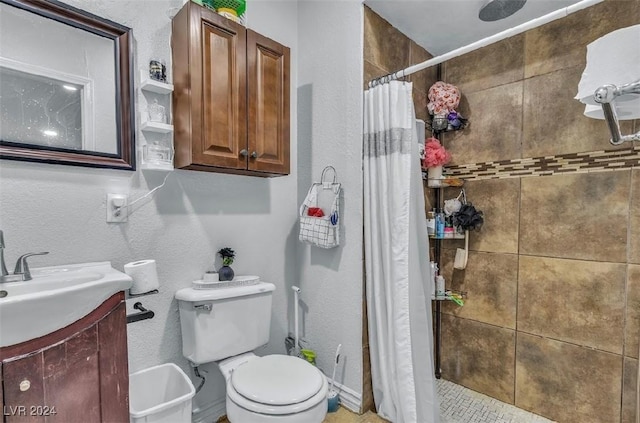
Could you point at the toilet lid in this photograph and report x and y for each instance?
(277, 380)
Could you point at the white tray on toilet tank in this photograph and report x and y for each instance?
(237, 281)
(160, 394)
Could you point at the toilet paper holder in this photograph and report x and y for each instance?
(143, 315)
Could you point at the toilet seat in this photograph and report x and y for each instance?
(277, 380)
(277, 385)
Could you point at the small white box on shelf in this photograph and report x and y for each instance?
(157, 156)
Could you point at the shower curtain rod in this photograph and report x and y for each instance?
(486, 41)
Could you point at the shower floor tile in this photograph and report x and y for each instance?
(461, 405)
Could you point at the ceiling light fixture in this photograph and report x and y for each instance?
(494, 10)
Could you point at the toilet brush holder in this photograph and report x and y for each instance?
(333, 401)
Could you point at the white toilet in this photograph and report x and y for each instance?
(224, 325)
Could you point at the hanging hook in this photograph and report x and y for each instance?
(462, 194)
(335, 174)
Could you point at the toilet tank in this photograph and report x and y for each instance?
(222, 322)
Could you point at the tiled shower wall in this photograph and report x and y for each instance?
(552, 318)
(387, 50)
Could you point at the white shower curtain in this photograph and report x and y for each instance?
(399, 285)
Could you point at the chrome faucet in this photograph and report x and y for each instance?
(21, 272)
(3, 266)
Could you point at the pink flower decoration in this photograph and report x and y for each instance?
(436, 155)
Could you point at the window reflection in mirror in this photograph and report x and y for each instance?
(65, 86)
(39, 110)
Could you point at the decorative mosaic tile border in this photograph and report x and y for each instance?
(593, 161)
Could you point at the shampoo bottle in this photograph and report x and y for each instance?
(440, 289)
(439, 224)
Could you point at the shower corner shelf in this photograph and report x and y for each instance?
(449, 128)
(448, 295)
(455, 236)
(444, 183)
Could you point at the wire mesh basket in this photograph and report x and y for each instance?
(231, 9)
(317, 227)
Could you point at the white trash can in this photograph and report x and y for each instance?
(160, 394)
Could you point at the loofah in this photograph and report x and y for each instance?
(436, 155)
(452, 206)
(468, 218)
(443, 99)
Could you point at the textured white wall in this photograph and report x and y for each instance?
(330, 133)
(61, 209)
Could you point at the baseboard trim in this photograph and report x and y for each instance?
(210, 413)
(349, 398)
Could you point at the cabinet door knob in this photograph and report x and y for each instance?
(25, 385)
(254, 155)
(244, 152)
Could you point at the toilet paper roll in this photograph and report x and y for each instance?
(144, 275)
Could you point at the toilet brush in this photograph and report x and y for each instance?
(332, 396)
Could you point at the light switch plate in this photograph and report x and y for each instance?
(117, 210)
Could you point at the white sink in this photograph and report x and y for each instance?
(56, 297)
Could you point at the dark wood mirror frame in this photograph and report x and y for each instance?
(125, 158)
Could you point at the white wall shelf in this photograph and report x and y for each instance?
(163, 161)
(157, 127)
(148, 84)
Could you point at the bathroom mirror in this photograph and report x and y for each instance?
(66, 86)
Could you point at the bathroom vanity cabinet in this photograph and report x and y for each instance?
(231, 96)
(77, 373)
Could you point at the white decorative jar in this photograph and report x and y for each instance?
(434, 175)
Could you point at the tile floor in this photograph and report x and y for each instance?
(457, 405)
(461, 405)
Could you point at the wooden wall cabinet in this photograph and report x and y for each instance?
(76, 374)
(231, 96)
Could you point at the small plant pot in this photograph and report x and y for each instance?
(226, 273)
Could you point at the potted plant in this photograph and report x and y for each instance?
(225, 272)
(435, 157)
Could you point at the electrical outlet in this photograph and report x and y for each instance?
(117, 210)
